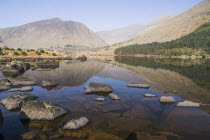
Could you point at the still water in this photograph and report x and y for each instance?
(120, 120)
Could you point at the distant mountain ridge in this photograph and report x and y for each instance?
(121, 34)
(51, 33)
(127, 33)
(176, 27)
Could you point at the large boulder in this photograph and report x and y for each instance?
(4, 87)
(21, 81)
(49, 83)
(76, 123)
(188, 104)
(15, 101)
(12, 69)
(41, 110)
(15, 67)
(98, 88)
(139, 85)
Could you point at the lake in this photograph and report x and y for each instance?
(133, 116)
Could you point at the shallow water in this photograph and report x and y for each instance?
(134, 112)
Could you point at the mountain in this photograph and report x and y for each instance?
(176, 27)
(51, 33)
(127, 33)
(195, 43)
(121, 34)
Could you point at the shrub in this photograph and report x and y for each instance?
(54, 54)
(19, 49)
(82, 58)
(1, 53)
(42, 51)
(38, 53)
(6, 48)
(16, 53)
(24, 53)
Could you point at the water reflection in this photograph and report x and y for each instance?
(112, 119)
(189, 79)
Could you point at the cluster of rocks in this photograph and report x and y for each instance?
(15, 67)
(93, 88)
(32, 109)
(166, 99)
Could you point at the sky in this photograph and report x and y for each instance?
(95, 14)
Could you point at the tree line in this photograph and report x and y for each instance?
(195, 43)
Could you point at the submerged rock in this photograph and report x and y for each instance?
(154, 136)
(188, 104)
(98, 88)
(139, 85)
(149, 95)
(41, 110)
(98, 135)
(100, 99)
(114, 96)
(49, 83)
(16, 101)
(1, 120)
(76, 123)
(167, 99)
(32, 135)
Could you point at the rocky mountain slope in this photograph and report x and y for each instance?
(51, 33)
(176, 27)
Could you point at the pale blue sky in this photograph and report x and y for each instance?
(96, 14)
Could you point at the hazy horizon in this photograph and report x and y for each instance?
(98, 16)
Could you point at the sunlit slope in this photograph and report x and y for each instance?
(177, 27)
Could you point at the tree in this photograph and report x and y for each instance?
(54, 54)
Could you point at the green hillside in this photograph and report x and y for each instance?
(196, 43)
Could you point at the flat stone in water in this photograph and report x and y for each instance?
(98, 88)
(76, 123)
(149, 95)
(21, 81)
(167, 99)
(15, 101)
(139, 85)
(188, 104)
(23, 89)
(114, 96)
(49, 83)
(100, 99)
(41, 110)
